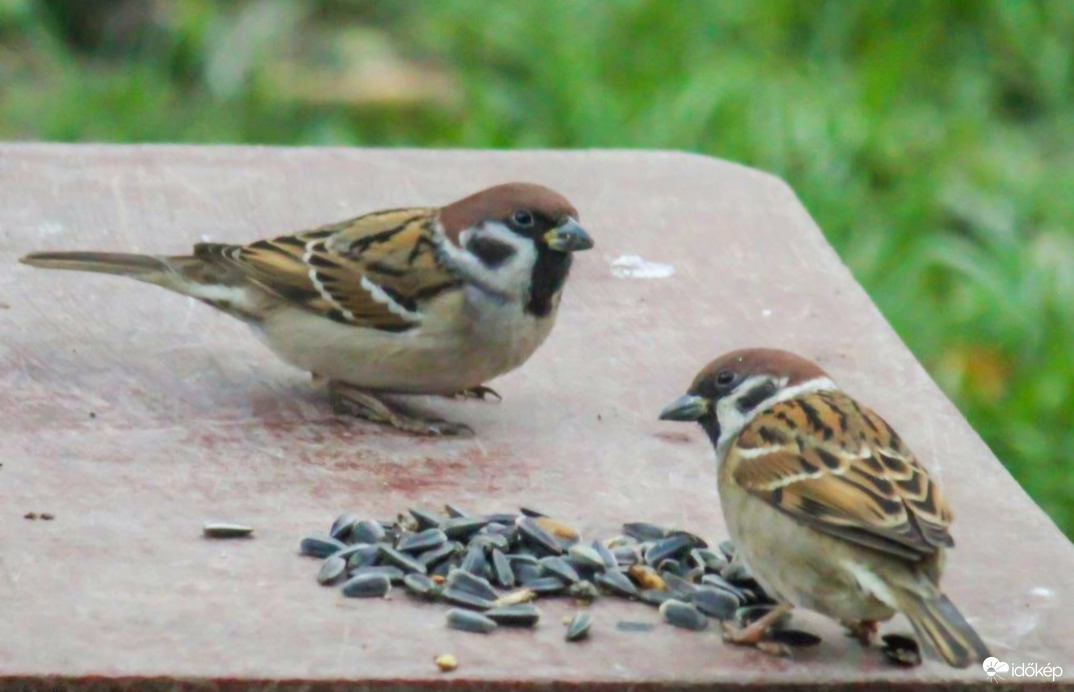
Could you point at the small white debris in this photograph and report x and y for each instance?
(634, 267)
(766, 313)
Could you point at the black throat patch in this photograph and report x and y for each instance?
(549, 274)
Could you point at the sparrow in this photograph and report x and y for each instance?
(419, 300)
(824, 502)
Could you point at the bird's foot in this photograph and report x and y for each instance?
(754, 633)
(480, 392)
(348, 400)
(864, 631)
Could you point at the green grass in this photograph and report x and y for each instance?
(933, 142)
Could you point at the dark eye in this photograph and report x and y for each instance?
(724, 378)
(522, 218)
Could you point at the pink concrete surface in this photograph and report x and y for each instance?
(134, 415)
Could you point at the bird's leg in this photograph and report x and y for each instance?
(479, 392)
(348, 399)
(752, 634)
(863, 630)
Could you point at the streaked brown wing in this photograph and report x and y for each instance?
(372, 271)
(840, 468)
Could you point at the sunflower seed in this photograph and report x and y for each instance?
(465, 598)
(367, 531)
(469, 621)
(644, 531)
(360, 555)
(654, 597)
(459, 528)
(714, 602)
(421, 585)
(331, 570)
(736, 573)
(393, 573)
(454, 512)
(502, 518)
(626, 555)
(678, 586)
(585, 556)
(534, 535)
(633, 626)
(584, 591)
(578, 628)
(531, 512)
(428, 539)
(501, 570)
(557, 529)
(520, 615)
(465, 581)
(320, 546)
(474, 561)
(646, 577)
(605, 555)
(669, 548)
(367, 586)
(425, 518)
(558, 567)
(439, 554)
(684, 615)
(728, 549)
(617, 583)
(708, 560)
(403, 561)
(342, 526)
(220, 529)
(546, 585)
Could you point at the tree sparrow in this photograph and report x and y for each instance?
(824, 502)
(408, 301)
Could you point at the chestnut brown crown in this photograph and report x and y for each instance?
(501, 202)
(724, 373)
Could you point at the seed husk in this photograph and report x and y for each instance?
(469, 621)
(320, 546)
(901, 650)
(332, 570)
(220, 529)
(446, 662)
(557, 528)
(715, 602)
(401, 560)
(367, 586)
(578, 627)
(669, 548)
(522, 595)
(519, 615)
(684, 615)
(474, 561)
(360, 555)
(606, 555)
(437, 555)
(647, 578)
(617, 583)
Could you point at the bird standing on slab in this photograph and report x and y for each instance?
(407, 301)
(824, 502)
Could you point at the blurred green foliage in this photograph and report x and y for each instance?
(932, 141)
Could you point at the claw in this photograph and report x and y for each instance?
(753, 634)
(864, 631)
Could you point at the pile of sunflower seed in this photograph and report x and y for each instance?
(491, 567)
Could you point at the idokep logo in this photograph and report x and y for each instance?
(997, 670)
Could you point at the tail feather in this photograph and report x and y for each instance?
(938, 623)
(143, 267)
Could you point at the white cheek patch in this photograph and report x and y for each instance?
(509, 280)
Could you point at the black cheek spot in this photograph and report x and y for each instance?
(491, 252)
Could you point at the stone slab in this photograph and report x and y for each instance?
(134, 415)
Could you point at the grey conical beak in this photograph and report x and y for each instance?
(568, 237)
(686, 408)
